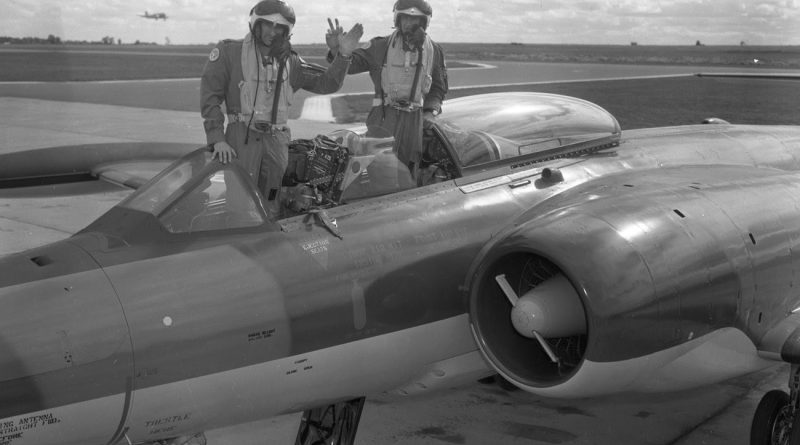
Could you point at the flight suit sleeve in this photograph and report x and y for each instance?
(315, 78)
(365, 58)
(213, 85)
(439, 86)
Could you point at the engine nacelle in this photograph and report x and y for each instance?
(667, 290)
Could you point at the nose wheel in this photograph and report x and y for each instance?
(777, 417)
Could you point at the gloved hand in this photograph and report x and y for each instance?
(332, 36)
(348, 41)
(224, 152)
(428, 119)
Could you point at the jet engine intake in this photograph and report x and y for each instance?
(530, 319)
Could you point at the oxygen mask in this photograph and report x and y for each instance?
(280, 48)
(413, 38)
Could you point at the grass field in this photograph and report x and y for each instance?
(779, 57)
(124, 62)
(641, 103)
(635, 103)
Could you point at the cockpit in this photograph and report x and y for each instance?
(197, 194)
(473, 134)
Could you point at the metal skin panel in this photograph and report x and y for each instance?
(63, 341)
(95, 421)
(203, 309)
(213, 305)
(295, 383)
(309, 272)
(660, 260)
(719, 355)
(208, 309)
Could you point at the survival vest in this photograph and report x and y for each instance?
(399, 70)
(257, 91)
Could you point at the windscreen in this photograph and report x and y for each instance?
(199, 194)
(154, 196)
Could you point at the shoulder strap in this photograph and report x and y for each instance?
(278, 84)
(416, 77)
(380, 82)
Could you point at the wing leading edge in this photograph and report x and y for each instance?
(126, 164)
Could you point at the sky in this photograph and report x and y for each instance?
(647, 22)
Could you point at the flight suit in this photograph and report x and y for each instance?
(263, 152)
(394, 115)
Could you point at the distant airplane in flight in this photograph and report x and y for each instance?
(155, 15)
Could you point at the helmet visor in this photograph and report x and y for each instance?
(275, 19)
(411, 11)
(276, 11)
(413, 7)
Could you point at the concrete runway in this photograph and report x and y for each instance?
(475, 414)
(184, 94)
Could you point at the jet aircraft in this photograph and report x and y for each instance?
(154, 16)
(536, 240)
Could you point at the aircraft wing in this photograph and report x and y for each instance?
(130, 174)
(125, 164)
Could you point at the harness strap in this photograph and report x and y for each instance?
(416, 78)
(381, 93)
(277, 96)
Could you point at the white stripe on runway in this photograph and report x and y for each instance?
(318, 108)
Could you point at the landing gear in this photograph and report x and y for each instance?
(777, 417)
(772, 421)
(335, 424)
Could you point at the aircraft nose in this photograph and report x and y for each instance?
(63, 335)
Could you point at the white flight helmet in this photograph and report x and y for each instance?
(419, 8)
(275, 11)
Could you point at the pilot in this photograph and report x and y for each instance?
(409, 74)
(255, 79)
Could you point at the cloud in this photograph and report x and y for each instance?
(527, 21)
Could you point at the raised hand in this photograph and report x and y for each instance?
(332, 36)
(348, 41)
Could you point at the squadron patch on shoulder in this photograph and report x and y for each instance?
(214, 55)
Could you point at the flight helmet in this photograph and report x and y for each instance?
(419, 8)
(275, 11)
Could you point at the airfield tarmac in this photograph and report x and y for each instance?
(475, 414)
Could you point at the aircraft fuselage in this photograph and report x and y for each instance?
(109, 337)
